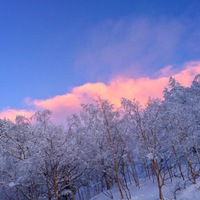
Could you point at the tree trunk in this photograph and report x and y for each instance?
(107, 181)
(135, 177)
(116, 168)
(179, 164)
(55, 183)
(157, 174)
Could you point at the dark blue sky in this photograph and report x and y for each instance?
(48, 47)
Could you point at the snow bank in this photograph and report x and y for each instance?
(149, 191)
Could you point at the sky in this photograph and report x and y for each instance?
(59, 54)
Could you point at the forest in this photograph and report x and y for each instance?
(102, 147)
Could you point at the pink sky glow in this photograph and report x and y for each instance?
(118, 87)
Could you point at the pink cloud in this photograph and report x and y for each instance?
(186, 76)
(12, 113)
(118, 87)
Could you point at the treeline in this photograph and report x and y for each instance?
(103, 146)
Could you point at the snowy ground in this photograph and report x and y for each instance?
(149, 191)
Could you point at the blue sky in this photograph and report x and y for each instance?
(49, 47)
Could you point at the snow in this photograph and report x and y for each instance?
(149, 191)
(191, 193)
(66, 192)
(150, 156)
(11, 184)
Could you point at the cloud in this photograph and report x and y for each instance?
(12, 113)
(118, 87)
(131, 47)
(135, 47)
